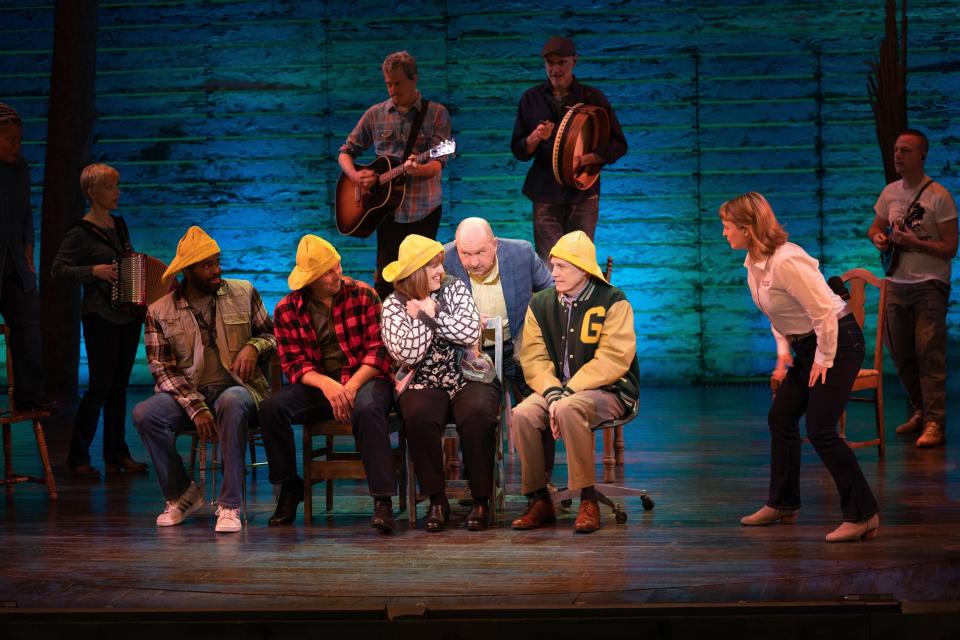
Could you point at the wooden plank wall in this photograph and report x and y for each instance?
(229, 114)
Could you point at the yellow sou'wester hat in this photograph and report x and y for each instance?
(195, 246)
(415, 252)
(315, 256)
(577, 249)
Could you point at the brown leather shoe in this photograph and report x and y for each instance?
(932, 436)
(588, 520)
(85, 471)
(913, 424)
(538, 513)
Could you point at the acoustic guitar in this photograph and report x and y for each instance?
(890, 258)
(360, 211)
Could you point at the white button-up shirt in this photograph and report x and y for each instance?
(790, 290)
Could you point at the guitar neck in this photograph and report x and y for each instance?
(401, 168)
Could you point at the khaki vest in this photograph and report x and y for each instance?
(234, 330)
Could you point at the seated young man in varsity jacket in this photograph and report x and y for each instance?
(204, 342)
(579, 357)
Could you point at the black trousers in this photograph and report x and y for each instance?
(390, 234)
(822, 405)
(475, 410)
(21, 312)
(299, 403)
(111, 352)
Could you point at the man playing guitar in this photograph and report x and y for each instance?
(387, 127)
(918, 287)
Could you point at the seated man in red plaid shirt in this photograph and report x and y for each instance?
(328, 338)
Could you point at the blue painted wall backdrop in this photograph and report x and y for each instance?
(229, 114)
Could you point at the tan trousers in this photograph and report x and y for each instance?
(576, 416)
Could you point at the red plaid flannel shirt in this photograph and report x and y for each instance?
(356, 320)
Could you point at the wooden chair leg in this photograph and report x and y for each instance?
(609, 457)
(618, 445)
(307, 478)
(194, 443)
(878, 417)
(7, 456)
(411, 490)
(45, 459)
(402, 474)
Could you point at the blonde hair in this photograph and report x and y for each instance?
(415, 286)
(95, 174)
(752, 214)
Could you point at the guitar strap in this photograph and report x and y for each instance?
(916, 198)
(415, 129)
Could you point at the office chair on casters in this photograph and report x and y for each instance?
(605, 490)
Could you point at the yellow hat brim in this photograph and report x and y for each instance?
(590, 267)
(398, 270)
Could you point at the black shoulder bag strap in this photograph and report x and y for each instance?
(415, 129)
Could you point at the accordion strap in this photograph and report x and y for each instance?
(99, 234)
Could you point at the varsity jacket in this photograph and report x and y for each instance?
(599, 344)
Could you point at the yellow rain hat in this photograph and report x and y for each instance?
(415, 252)
(577, 249)
(315, 256)
(195, 246)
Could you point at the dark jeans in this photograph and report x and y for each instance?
(917, 337)
(823, 405)
(475, 410)
(111, 351)
(21, 312)
(552, 221)
(300, 403)
(390, 234)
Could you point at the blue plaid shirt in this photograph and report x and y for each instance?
(386, 129)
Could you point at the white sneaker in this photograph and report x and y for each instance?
(228, 520)
(177, 510)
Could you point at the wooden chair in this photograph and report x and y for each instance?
(12, 416)
(327, 464)
(867, 379)
(458, 488)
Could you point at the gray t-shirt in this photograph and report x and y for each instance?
(939, 207)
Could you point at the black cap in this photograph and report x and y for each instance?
(560, 46)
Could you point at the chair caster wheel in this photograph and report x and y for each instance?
(621, 517)
(566, 503)
(647, 503)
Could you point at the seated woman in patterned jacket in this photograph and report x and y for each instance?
(427, 323)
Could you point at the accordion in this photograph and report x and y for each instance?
(583, 129)
(138, 282)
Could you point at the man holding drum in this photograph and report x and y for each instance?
(562, 205)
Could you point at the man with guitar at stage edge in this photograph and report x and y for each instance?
(915, 228)
(387, 126)
(559, 209)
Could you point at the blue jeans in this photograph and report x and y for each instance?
(157, 419)
(917, 337)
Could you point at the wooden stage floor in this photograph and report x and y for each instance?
(702, 453)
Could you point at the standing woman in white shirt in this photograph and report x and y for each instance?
(815, 380)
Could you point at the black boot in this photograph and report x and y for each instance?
(291, 495)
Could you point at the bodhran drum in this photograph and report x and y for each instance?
(583, 130)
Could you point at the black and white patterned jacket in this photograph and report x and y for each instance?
(433, 343)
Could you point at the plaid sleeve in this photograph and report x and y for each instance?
(166, 373)
(374, 351)
(360, 138)
(295, 358)
(261, 326)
